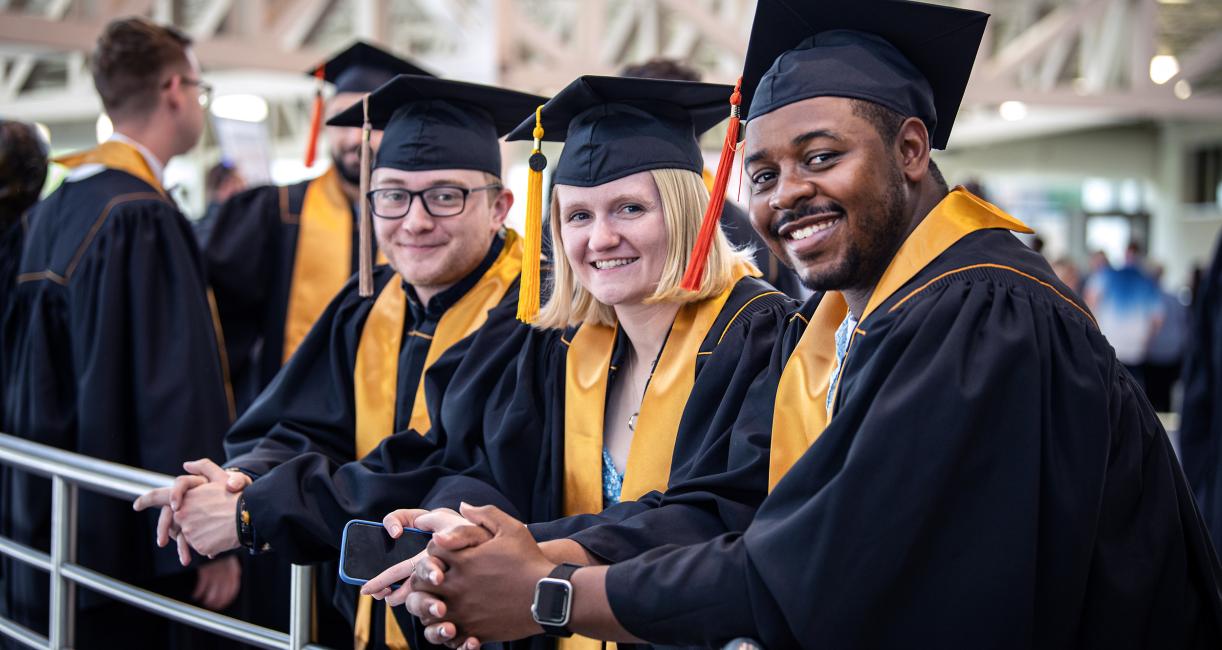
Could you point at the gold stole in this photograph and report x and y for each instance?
(799, 416)
(322, 262)
(123, 157)
(113, 154)
(587, 366)
(376, 377)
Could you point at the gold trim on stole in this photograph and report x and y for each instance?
(376, 376)
(805, 379)
(322, 262)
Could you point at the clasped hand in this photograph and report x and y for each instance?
(473, 583)
(199, 510)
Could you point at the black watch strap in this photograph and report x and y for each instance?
(561, 572)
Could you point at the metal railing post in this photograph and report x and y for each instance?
(301, 588)
(61, 518)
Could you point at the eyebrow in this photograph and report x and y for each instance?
(811, 135)
(798, 141)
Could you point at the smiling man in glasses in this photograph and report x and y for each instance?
(360, 374)
(111, 350)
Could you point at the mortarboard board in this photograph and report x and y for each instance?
(360, 68)
(427, 124)
(431, 123)
(613, 127)
(911, 57)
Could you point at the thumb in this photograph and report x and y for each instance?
(237, 481)
(206, 468)
(491, 518)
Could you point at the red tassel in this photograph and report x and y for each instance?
(694, 274)
(315, 119)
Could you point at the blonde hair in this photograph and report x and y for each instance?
(684, 199)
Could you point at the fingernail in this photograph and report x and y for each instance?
(394, 528)
(444, 632)
(435, 609)
(433, 577)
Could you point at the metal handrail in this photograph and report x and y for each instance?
(69, 471)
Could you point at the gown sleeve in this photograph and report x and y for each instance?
(991, 479)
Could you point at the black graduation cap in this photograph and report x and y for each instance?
(911, 57)
(363, 67)
(616, 126)
(429, 123)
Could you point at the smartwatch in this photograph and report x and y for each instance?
(554, 601)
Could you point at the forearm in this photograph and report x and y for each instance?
(560, 551)
(591, 614)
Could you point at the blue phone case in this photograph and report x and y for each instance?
(343, 549)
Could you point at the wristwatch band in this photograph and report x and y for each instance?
(562, 572)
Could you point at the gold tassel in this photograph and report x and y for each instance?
(366, 219)
(532, 253)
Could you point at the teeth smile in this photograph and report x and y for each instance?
(803, 233)
(603, 265)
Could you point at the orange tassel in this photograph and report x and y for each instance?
(315, 119)
(694, 274)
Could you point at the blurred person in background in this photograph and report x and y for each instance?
(278, 254)
(1067, 271)
(1165, 357)
(113, 351)
(221, 182)
(23, 168)
(734, 220)
(1128, 307)
(1201, 413)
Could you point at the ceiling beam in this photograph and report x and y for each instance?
(1033, 42)
(710, 27)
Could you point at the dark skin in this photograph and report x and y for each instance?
(815, 166)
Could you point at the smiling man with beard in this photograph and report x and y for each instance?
(278, 254)
(958, 459)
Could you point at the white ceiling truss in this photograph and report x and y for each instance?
(1080, 61)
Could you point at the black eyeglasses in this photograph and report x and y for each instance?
(205, 88)
(439, 201)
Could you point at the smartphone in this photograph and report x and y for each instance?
(366, 550)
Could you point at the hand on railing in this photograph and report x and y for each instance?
(217, 583)
(198, 509)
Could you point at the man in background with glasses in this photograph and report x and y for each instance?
(438, 206)
(112, 347)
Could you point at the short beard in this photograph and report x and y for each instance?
(351, 175)
(866, 258)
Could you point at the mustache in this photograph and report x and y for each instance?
(802, 211)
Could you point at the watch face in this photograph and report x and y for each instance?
(552, 602)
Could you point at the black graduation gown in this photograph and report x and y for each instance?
(992, 477)
(1201, 420)
(12, 236)
(249, 257)
(115, 356)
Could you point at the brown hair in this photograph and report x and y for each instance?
(129, 62)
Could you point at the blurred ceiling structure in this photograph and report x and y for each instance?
(1045, 65)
